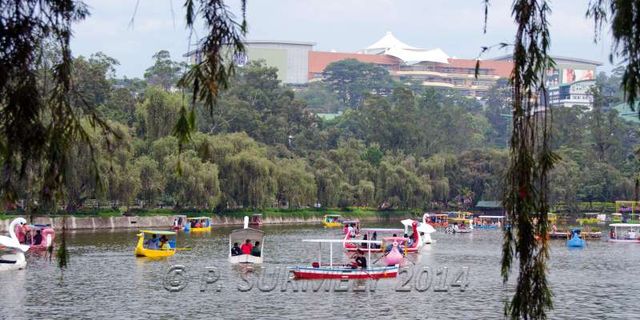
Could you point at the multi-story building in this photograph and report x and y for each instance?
(291, 58)
(298, 64)
(569, 83)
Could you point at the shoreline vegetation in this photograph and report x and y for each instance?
(352, 212)
(273, 213)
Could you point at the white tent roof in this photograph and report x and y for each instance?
(387, 42)
(390, 45)
(418, 55)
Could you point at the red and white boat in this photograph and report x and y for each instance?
(319, 270)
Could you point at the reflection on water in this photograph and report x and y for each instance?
(105, 280)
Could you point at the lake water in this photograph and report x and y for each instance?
(105, 280)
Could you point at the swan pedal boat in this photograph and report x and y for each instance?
(16, 260)
(141, 251)
(576, 241)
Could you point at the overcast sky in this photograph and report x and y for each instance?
(455, 26)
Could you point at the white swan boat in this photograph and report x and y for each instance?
(14, 260)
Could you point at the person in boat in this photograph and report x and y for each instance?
(20, 233)
(374, 237)
(37, 239)
(164, 243)
(409, 239)
(365, 237)
(246, 247)
(235, 250)
(152, 243)
(255, 251)
(554, 228)
(632, 234)
(27, 233)
(352, 231)
(359, 261)
(388, 248)
(612, 233)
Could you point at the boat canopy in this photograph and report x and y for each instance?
(257, 214)
(342, 241)
(390, 230)
(491, 217)
(160, 232)
(350, 221)
(332, 215)
(241, 235)
(623, 225)
(199, 218)
(616, 214)
(408, 222)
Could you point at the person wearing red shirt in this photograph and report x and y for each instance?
(246, 247)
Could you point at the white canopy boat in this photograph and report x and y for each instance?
(16, 259)
(624, 232)
(245, 236)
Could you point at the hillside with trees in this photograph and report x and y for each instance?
(396, 146)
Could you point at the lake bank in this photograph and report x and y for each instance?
(165, 220)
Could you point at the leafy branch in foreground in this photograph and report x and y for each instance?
(210, 75)
(40, 119)
(531, 160)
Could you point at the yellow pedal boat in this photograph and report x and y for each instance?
(332, 221)
(165, 248)
(198, 224)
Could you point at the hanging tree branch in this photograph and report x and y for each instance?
(531, 159)
(210, 75)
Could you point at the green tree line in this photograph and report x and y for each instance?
(397, 145)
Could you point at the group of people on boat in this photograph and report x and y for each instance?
(246, 248)
(198, 223)
(629, 235)
(484, 223)
(26, 236)
(351, 229)
(155, 243)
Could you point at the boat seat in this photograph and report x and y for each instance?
(8, 261)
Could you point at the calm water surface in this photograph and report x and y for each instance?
(105, 280)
